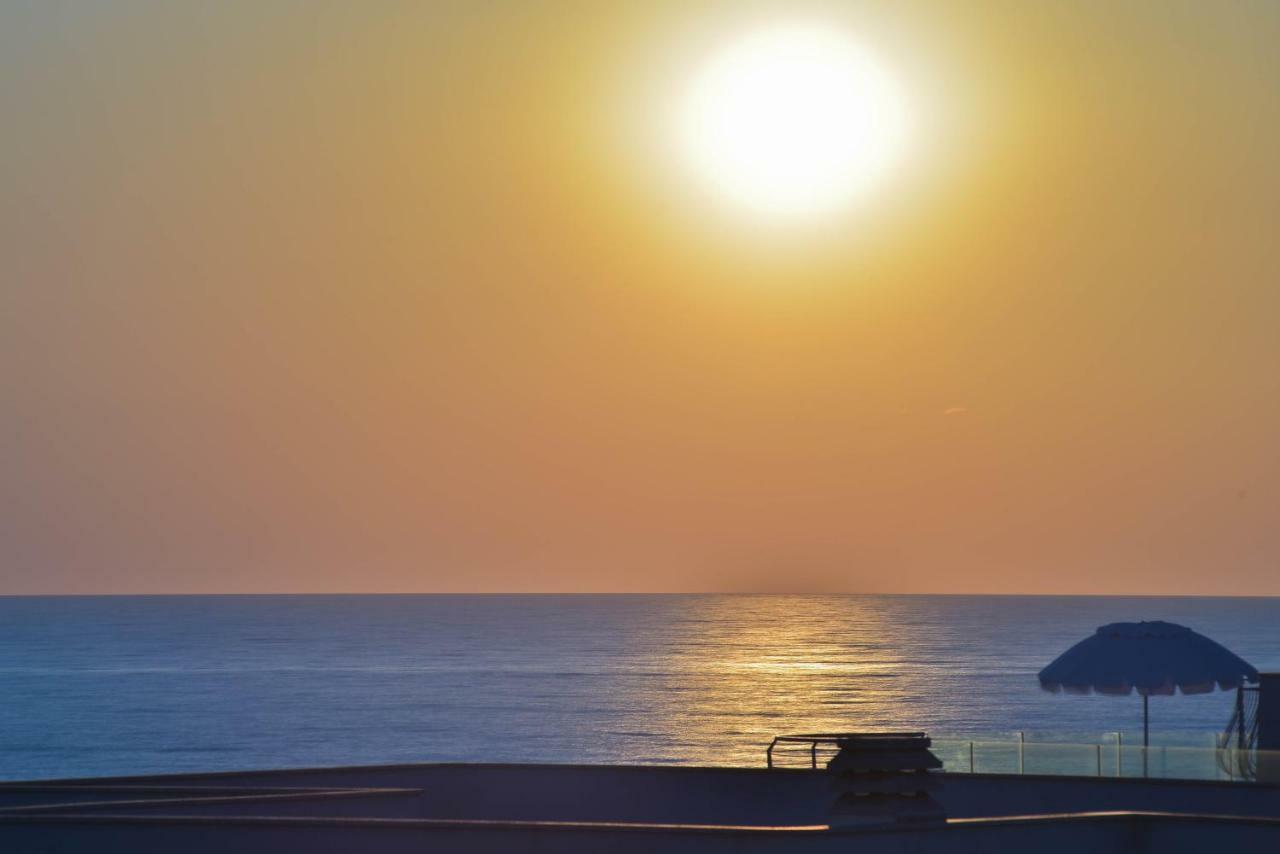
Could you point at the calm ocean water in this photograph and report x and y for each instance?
(117, 685)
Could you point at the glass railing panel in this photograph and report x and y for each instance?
(1114, 759)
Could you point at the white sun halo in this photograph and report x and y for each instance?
(792, 121)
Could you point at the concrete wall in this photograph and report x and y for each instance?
(22, 796)
(479, 809)
(672, 795)
(1099, 835)
(370, 804)
(965, 795)
(679, 795)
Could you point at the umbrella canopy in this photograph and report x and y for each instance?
(1150, 658)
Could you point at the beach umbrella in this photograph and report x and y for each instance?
(1149, 657)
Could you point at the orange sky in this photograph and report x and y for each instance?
(395, 296)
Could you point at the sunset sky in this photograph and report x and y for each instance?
(404, 296)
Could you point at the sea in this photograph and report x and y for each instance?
(130, 685)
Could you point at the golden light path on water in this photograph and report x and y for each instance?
(745, 675)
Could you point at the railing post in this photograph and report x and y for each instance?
(1240, 716)
(813, 755)
(1099, 746)
(768, 754)
(1022, 744)
(1146, 732)
(1119, 753)
(971, 765)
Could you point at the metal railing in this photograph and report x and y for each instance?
(830, 741)
(1016, 755)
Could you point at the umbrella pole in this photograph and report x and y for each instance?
(1146, 732)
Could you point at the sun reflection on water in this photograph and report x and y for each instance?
(740, 673)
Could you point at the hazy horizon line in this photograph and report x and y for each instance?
(584, 594)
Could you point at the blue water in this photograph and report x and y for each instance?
(119, 685)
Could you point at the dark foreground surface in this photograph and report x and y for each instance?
(492, 808)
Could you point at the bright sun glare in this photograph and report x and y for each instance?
(792, 121)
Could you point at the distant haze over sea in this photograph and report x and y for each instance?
(115, 685)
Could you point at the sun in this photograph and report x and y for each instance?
(792, 121)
